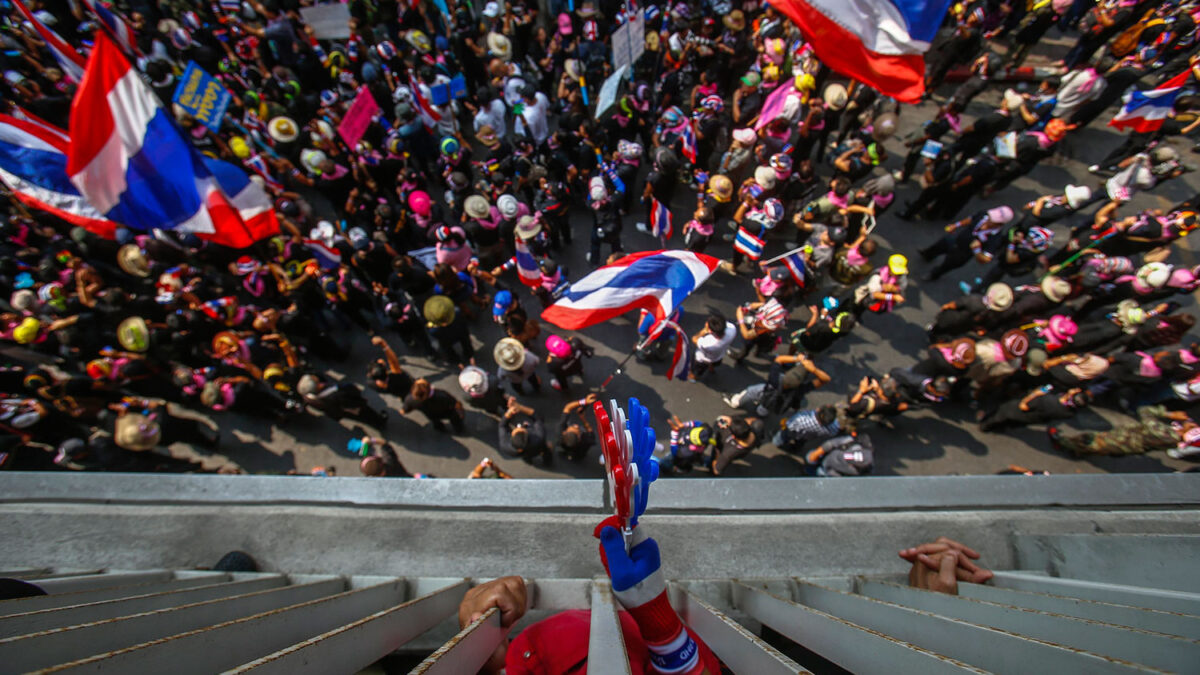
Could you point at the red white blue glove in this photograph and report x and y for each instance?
(638, 584)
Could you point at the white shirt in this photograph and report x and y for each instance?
(711, 347)
(536, 114)
(492, 115)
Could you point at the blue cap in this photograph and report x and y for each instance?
(504, 300)
(355, 445)
(24, 280)
(830, 303)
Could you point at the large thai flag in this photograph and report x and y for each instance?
(1145, 110)
(135, 166)
(33, 164)
(69, 60)
(656, 281)
(660, 220)
(879, 42)
(116, 27)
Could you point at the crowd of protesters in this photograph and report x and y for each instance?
(487, 153)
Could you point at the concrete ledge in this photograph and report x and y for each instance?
(131, 488)
(725, 495)
(357, 540)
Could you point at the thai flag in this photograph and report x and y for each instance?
(794, 262)
(327, 257)
(656, 281)
(429, 116)
(230, 5)
(258, 165)
(660, 220)
(748, 244)
(681, 361)
(527, 267)
(33, 164)
(69, 60)
(135, 166)
(878, 42)
(115, 26)
(688, 137)
(1145, 110)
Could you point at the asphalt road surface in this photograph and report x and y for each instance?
(938, 441)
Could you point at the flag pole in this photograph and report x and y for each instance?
(781, 257)
(641, 344)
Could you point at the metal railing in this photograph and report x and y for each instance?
(1097, 573)
(202, 622)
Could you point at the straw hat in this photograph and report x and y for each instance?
(474, 381)
(528, 227)
(509, 354)
(476, 206)
(499, 46)
(132, 260)
(1056, 289)
(283, 129)
(1015, 343)
(735, 20)
(487, 136)
(137, 432)
(835, 96)
(999, 297)
(134, 334)
(439, 310)
(962, 352)
(721, 187)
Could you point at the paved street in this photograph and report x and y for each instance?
(930, 441)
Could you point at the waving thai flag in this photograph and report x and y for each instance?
(660, 220)
(879, 42)
(116, 27)
(1145, 111)
(681, 361)
(688, 138)
(327, 257)
(33, 164)
(748, 244)
(794, 262)
(135, 166)
(656, 281)
(69, 60)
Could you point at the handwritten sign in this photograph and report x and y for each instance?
(608, 91)
(202, 96)
(358, 117)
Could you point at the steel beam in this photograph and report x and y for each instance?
(1171, 623)
(130, 634)
(1136, 596)
(988, 648)
(41, 602)
(849, 645)
(357, 645)
(738, 648)
(46, 619)
(1134, 645)
(89, 582)
(467, 651)
(606, 645)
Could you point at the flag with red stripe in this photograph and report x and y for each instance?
(69, 60)
(660, 220)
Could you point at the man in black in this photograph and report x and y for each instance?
(938, 174)
(522, 433)
(575, 433)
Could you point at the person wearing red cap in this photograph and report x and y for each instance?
(656, 639)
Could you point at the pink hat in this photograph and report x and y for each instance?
(420, 203)
(1181, 278)
(1063, 327)
(564, 24)
(558, 346)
